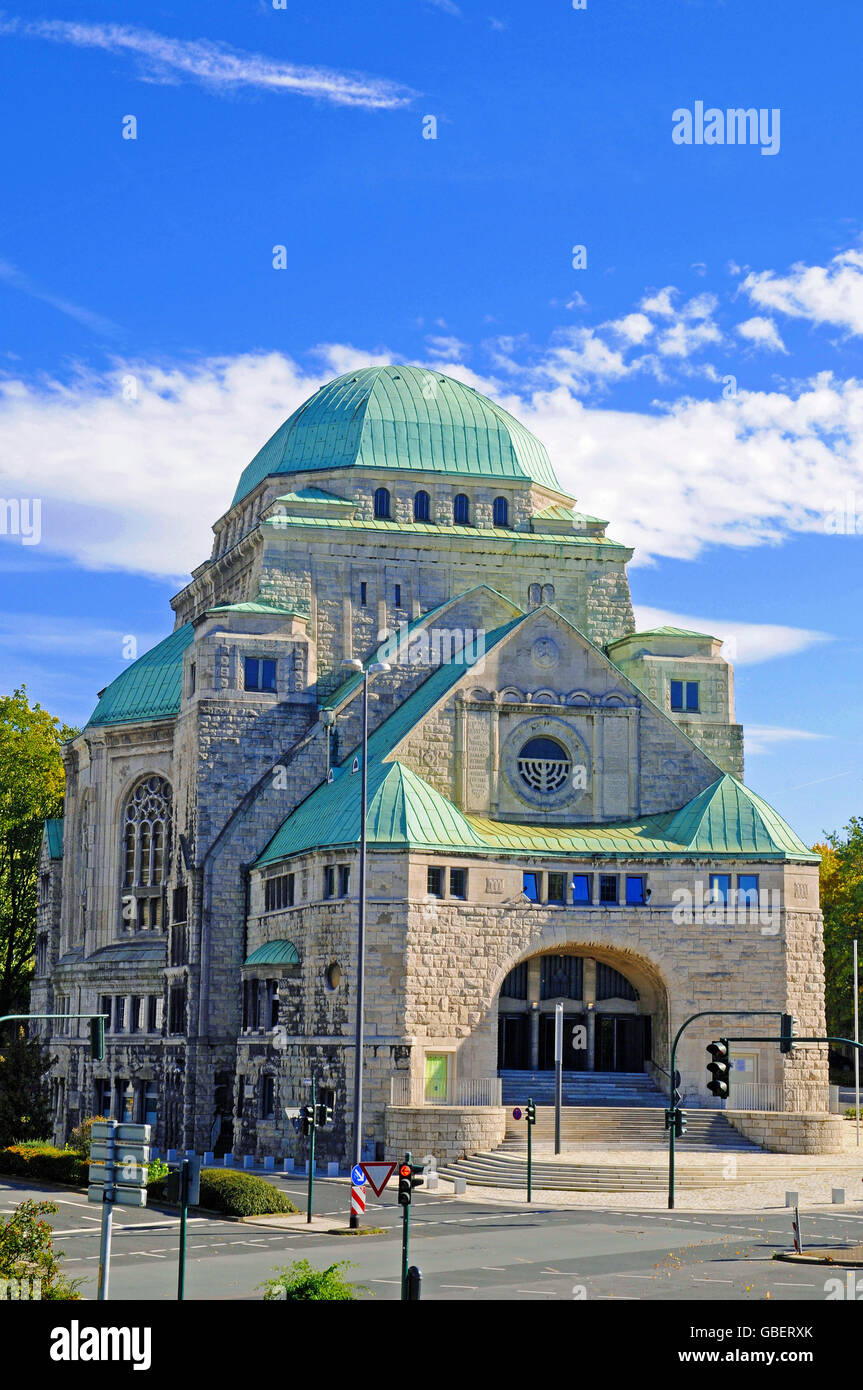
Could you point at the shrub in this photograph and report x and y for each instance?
(45, 1162)
(27, 1251)
(79, 1139)
(241, 1194)
(301, 1282)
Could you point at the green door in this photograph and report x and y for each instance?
(436, 1077)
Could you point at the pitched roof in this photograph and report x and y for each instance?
(401, 418)
(148, 689)
(278, 952)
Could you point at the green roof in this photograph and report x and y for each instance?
(315, 494)
(665, 632)
(148, 689)
(54, 833)
(270, 610)
(405, 419)
(413, 528)
(278, 952)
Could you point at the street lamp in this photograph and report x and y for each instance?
(374, 669)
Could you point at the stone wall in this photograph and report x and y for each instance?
(446, 1131)
(780, 1132)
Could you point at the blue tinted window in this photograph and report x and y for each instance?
(747, 889)
(461, 510)
(719, 886)
(677, 695)
(634, 889)
(382, 503)
(422, 506)
(530, 887)
(581, 888)
(692, 696)
(500, 512)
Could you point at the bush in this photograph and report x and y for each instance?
(80, 1138)
(27, 1251)
(241, 1194)
(45, 1162)
(301, 1282)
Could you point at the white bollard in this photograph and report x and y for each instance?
(288, 1165)
(792, 1199)
(432, 1181)
(248, 1160)
(269, 1163)
(332, 1170)
(228, 1160)
(459, 1186)
(208, 1159)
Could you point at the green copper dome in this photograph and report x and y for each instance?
(402, 418)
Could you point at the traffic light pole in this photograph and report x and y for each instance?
(530, 1110)
(104, 1276)
(672, 1072)
(312, 1131)
(184, 1211)
(406, 1236)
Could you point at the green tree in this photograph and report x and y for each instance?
(24, 1100)
(27, 1250)
(841, 881)
(31, 790)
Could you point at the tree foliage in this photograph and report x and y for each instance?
(31, 791)
(27, 1250)
(842, 905)
(24, 1101)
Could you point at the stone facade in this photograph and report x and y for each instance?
(229, 976)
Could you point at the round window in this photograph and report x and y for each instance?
(334, 975)
(544, 765)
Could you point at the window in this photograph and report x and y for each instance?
(530, 886)
(608, 888)
(719, 887)
(271, 1003)
(330, 881)
(610, 984)
(154, 1013)
(422, 507)
(260, 673)
(177, 1009)
(458, 883)
(398, 596)
(41, 955)
(684, 697)
(250, 1004)
(61, 1025)
(515, 984)
(382, 503)
(635, 895)
(120, 1013)
(241, 1095)
(344, 880)
(461, 509)
(581, 888)
(180, 905)
(102, 1097)
(268, 1097)
(548, 593)
(561, 976)
(146, 852)
(193, 676)
(557, 888)
(500, 512)
(135, 1014)
(333, 975)
(105, 1007)
(434, 881)
(364, 590)
(747, 890)
(278, 893)
(543, 765)
(534, 595)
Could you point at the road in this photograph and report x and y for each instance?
(466, 1249)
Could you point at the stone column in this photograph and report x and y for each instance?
(533, 977)
(589, 998)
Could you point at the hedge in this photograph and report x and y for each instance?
(235, 1194)
(48, 1163)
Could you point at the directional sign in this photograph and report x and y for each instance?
(358, 1177)
(123, 1196)
(378, 1175)
(119, 1153)
(125, 1174)
(516, 1114)
(120, 1133)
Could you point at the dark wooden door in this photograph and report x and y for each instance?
(513, 1042)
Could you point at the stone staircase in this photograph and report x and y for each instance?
(502, 1170)
(584, 1127)
(597, 1088)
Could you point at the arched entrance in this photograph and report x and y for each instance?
(608, 1010)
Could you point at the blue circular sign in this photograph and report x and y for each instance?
(516, 1114)
(358, 1177)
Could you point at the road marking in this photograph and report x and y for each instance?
(495, 1269)
(152, 1253)
(471, 1287)
(544, 1293)
(708, 1279)
(800, 1284)
(633, 1276)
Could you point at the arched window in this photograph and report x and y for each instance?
(461, 509)
(422, 507)
(500, 512)
(382, 503)
(534, 595)
(548, 593)
(146, 852)
(544, 765)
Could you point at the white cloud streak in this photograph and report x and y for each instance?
(743, 643)
(214, 65)
(831, 294)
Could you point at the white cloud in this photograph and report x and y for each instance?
(659, 302)
(762, 738)
(823, 294)
(633, 327)
(743, 643)
(214, 65)
(761, 332)
(450, 348)
(19, 281)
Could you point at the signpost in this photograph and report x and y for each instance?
(558, 1072)
(530, 1116)
(409, 1178)
(184, 1187)
(118, 1174)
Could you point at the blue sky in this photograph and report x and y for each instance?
(698, 382)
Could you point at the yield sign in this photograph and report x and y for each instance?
(378, 1175)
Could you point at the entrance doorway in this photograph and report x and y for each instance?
(574, 1042)
(513, 1042)
(622, 1042)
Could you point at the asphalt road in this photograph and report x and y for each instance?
(467, 1250)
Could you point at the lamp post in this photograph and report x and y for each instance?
(376, 668)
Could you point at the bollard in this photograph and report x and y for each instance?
(838, 1196)
(288, 1165)
(208, 1159)
(413, 1285)
(269, 1163)
(228, 1160)
(190, 1153)
(432, 1180)
(172, 1155)
(459, 1186)
(332, 1170)
(248, 1160)
(792, 1199)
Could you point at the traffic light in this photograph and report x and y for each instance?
(97, 1038)
(669, 1118)
(416, 1175)
(405, 1184)
(679, 1123)
(307, 1119)
(786, 1033)
(530, 1112)
(718, 1069)
(324, 1116)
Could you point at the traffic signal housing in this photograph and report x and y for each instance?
(97, 1038)
(679, 1123)
(324, 1116)
(307, 1119)
(405, 1184)
(530, 1112)
(786, 1033)
(719, 1069)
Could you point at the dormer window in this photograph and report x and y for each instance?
(382, 504)
(500, 512)
(461, 509)
(259, 673)
(684, 697)
(422, 507)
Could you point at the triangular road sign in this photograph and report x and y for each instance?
(378, 1175)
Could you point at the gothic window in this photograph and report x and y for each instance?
(543, 765)
(500, 512)
(534, 595)
(422, 507)
(146, 850)
(461, 509)
(382, 503)
(548, 593)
